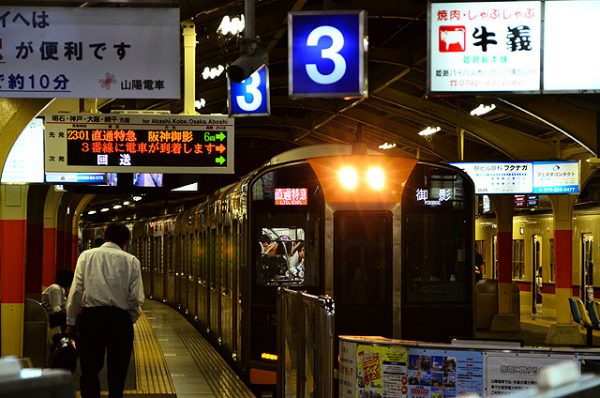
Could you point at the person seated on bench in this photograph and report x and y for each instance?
(54, 299)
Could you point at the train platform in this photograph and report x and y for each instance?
(172, 359)
(533, 332)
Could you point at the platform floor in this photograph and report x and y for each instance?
(172, 359)
(533, 332)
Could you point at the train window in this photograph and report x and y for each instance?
(157, 255)
(518, 264)
(226, 259)
(212, 259)
(280, 259)
(203, 259)
(587, 267)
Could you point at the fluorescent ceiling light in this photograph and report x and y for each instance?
(483, 109)
(386, 145)
(429, 131)
(231, 26)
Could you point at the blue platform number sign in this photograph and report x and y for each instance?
(250, 97)
(327, 54)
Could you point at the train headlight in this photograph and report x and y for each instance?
(376, 178)
(348, 178)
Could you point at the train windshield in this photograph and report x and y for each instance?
(286, 208)
(437, 233)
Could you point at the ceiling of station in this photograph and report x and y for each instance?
(522, 127)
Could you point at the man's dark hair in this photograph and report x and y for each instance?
(117, 233)
(98, 242)
(64, 278)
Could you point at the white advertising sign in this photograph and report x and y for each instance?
(485, 46)
(570, 60)
(539, 177)
(508, 372)
(500, 178)
(89, 52)
(25, 162)
(556, 177)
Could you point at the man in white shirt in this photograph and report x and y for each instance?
(108, 289)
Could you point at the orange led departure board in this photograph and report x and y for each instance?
(127, 143)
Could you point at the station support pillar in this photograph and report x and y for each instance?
(505, 320)
(13, 248)
(563, 332)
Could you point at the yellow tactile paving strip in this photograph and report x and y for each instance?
(152, 375)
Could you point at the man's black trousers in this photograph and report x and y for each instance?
(104, 330)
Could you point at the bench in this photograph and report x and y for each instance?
(586, 315)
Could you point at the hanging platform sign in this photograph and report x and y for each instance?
(250, 97)
(89, 52)
(327, 54)
(127, 143)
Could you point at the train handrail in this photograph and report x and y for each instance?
(305, 341)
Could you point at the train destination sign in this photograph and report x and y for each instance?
(127, 143)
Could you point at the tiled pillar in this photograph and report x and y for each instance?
(563, 332)
(505, 320)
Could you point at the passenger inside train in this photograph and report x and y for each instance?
(281, 260)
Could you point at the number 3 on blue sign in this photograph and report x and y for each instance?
(327, 54)
(250, 97)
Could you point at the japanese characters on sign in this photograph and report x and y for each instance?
(89, 52)
(139, 143)
(485, 46)
(327, 54)
(543, 177)
(291, 196)
(250, 97)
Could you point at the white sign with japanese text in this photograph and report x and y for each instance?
(485, 46)
(556, 177)
(509, 372)
(499, 177)
(89, 52)
(540, 177)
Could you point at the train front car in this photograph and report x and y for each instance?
(389, 238)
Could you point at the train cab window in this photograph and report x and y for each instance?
(286, 209)
(437, 237)
(552, 270)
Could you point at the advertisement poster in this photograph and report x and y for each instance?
(347, 369)
(381, 371)
(485, 46)
(507, 372)
(442, 373)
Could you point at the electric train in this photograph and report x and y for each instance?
(389, 238)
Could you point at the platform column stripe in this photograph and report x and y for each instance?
(49, 257)
(13, 233)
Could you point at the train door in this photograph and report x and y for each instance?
(362, 263)
(536, 274)
(587, 267)
(494, 258)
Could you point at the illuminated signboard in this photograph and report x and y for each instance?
(250, 97)
(25, 162)
(327, 54)
(291, 196)
(139, 143)
(568, 28)
(541, 177)
(91, 52)
(485, 46)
